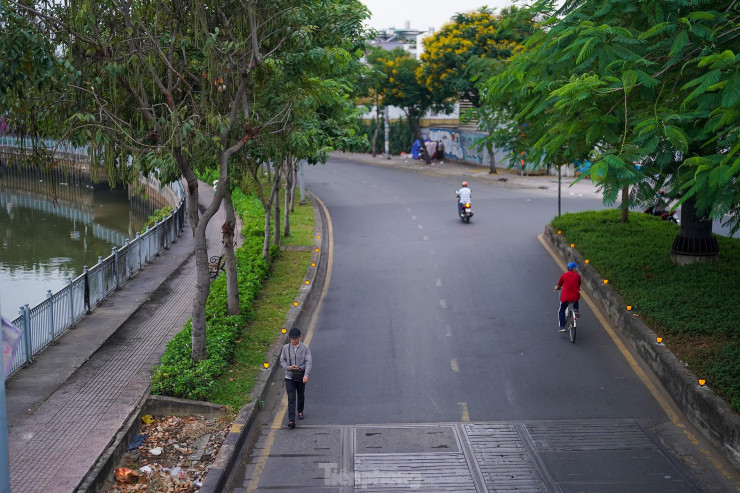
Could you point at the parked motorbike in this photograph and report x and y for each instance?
(466, 212)
(657, 210)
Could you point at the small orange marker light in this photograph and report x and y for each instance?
(586, 260)
(295, 303)
(318, 237)
(572, 245)
(317, 250)
(313, 264)
(659, 339)
(308, 282)
(283, 330)
(560, 232)
(266, 365)
(702, 382)
(629, 307)
(606, 281)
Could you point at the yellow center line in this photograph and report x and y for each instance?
(669, 408)
(464, 415)
(261, 462)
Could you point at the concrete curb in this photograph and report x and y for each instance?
(706, 411)
(215, 480)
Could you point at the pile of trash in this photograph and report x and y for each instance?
(170, 454)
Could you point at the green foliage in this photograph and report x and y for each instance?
(207, 175)
(157, 216)
(479, 33)
(623, 83)
(692, 303)
(400, 138)
(178, 375)
(402, 86)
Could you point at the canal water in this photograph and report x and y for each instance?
(52, 225)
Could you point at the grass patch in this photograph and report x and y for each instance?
(693, 307)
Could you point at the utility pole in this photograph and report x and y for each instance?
(387, 129)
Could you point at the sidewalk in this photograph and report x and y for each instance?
(64, 409)
(505, 177)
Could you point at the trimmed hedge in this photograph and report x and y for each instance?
(178, 375)
(694, 306)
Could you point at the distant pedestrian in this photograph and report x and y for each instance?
(570, 282)
(295, 357)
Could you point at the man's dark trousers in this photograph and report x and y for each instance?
(292, 388)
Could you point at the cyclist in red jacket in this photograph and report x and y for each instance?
(570, 282)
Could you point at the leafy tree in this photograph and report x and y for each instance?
(403, 88)
(480, 33)
(168, 88)
(637, 86)
(481, 40)
(371, 86)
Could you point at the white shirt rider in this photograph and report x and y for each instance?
(463, 194)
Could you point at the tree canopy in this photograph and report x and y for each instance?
(649, 91)
(480, 33)
(169, 88)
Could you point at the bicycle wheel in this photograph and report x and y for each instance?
(572, 325)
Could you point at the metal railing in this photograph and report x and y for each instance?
(45, 322)
(60, 148)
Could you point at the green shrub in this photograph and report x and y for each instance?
(178, 375)
(692, 305)
(157, 216)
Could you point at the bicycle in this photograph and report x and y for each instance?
(570, 322)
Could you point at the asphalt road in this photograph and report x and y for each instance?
(439, 337)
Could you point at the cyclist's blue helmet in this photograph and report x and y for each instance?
(572, 265)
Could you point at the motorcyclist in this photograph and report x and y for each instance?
(659, 207)
(463, 196)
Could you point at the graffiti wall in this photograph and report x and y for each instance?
(460, 145)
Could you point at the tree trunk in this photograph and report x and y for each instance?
(296, 184)
(276, 229)
(227, 230)
(491, 156)
(266, 206)
(266, 240)
(202, 280)
(289, 185)
(695, 239)
(625, 203)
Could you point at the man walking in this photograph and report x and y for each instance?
(295, 357)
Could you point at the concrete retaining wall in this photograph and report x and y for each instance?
(706, 411)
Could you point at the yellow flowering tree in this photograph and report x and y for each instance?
(480, 36)
(480, 33)
(402, 88)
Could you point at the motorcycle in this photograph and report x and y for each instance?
(466, 212)
(665, 215)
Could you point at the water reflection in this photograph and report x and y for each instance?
(51, 226)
